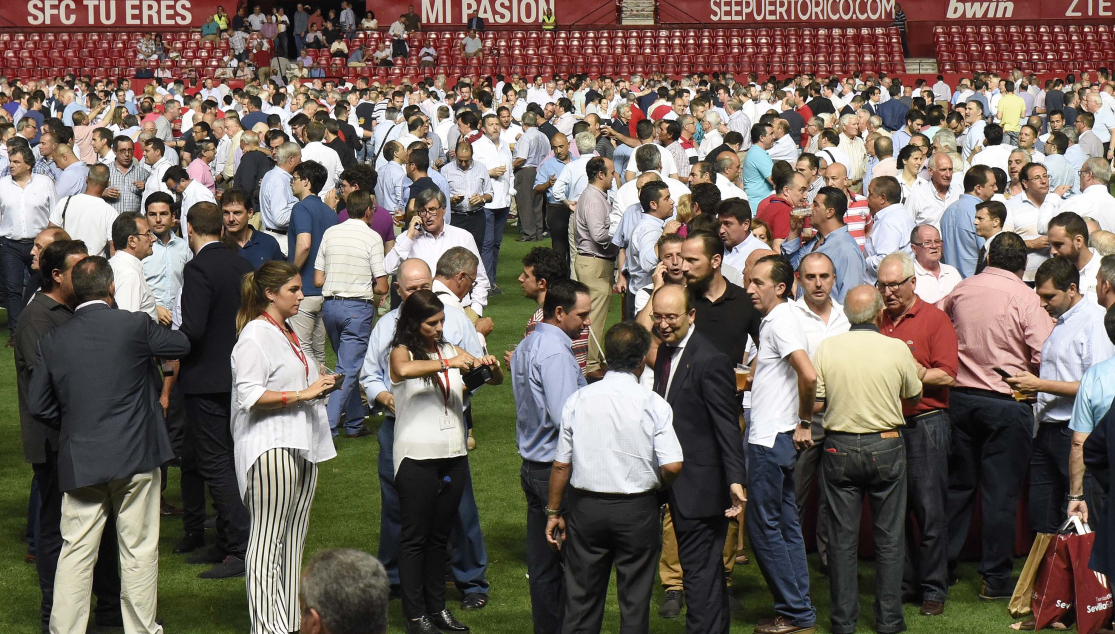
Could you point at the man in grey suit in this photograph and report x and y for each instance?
(95, 381)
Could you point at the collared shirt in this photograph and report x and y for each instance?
(628, 195)
(389, 186)
(931, 338)
(757, 167)
(641, 257)
(1094, 202)
(550, 167)
(329, 159)
(533, 147)
(1088, 278)
(572, 180)
(44, 166)
(857, 154)
(864, 377)
(86, 218)
(728, 189)
(739, 122)
(199, 171)
(996, 301)
(310, 216)
(544, 374)
(276, 199)
(25, 211)
(351, 256)
(124, 182)
(932, 287)
(132, 292)
(154, 181)
(774, 394)
(724, 322)
(958, 232)
(591, 232)
(72, 180)
(1077, 342)
(736, 257)
(816, 329)
(194, 193)
(841, 248)
(261, 248)
(429, 248)
(890, 233)
(1030, 221)
(972, 138)
(466, 183)
(617, 434)
(1093, 397)
(926, 206)
(1061, 172)
(492, 155)
(163, 269)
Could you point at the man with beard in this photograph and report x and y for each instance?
(723, 310)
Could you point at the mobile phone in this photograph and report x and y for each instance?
(1001, 372)
(339, 380)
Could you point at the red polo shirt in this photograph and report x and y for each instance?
(929, 334)
(775, 211)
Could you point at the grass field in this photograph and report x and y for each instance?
(346, 513)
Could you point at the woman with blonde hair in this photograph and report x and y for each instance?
(280, 432)
(761, 231)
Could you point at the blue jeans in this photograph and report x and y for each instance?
(772, 526)
(494, 222)
(470, 558)
(15, 267)
(348, 324)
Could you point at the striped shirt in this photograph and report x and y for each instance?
(124, 182)
(351, 256)
(46, 167)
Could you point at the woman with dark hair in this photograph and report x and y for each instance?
(430, 455)
(909, 162)
(280, 432)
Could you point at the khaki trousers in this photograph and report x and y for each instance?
(598, 276)
(310, 328)
(669, 568)
(135, 502)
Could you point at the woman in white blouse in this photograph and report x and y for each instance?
(280, 432)
(431, 460)
(909, 162)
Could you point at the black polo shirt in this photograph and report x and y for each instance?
(727, 321)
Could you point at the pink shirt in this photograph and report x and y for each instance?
(199, 171)
(999, 323)
(886, 167)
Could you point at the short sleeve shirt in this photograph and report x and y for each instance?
(774, 394)
(311, 216)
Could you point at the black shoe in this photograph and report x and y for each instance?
(495, 290)
(364, 431)
(734, 604)
(166, 508)
(190, 543)
(474, 601)
(446, 622)
(953, 579)
(232, 566)
(525, 239)
(671, 605)
(211, 555)
(421, 625)
(211, 523)
(990, 594)
(545, 234)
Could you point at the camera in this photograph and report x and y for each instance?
(476, 377)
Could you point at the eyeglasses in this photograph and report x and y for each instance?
(929, 243)
(429, 211)
(471, 279)
(891, 286)
(149, 235)
(669, 319)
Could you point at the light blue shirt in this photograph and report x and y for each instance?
(627, 223)
(550, 167)
(1078, 341)
(375, 375)
(544, 374)
(844, 252)
(900, 140)
(756, 170)
(958, 231)
(276, 199)
(163, 269)
(68, 113)
(1105, 120)
(71, 180)
(474, 181)
(1061, 172)
(641, 258)
(1076, 156)
(532, 147)
(1094, 397)
(389, 187)
(385, 131)
(890, 234)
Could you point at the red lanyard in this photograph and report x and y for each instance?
(296, 346)
(444, 388)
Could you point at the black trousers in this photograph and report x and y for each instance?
(990, 450)
(429, 495)
(927, 460)
(544, 566)
(1049, 477)
(106, 575)
(604, 530)
(557, 219)
(700, 553)
(192, 485)
(209, 446)
(473, 223)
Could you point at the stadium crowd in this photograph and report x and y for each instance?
(832, 289)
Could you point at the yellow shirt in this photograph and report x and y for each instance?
(1012, 106)
(863, 376)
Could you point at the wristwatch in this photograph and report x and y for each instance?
(804, 423)
(552, 512)
(1076, 498)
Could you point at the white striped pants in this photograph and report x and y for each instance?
(279, 495)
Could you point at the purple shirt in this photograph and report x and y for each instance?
(382, 223)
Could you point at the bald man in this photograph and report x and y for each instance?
(45, 238)
(470, 558)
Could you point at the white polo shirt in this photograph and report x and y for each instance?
(87, 218)
(774, 394)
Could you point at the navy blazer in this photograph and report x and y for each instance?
(96, 381)
(1099, 452)
(706, 421)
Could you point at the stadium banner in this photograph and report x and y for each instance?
(1034, 11)
(56, 15)
(777, 12)
(496, 13)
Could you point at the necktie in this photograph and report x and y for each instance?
(981, 262)
(665, 378)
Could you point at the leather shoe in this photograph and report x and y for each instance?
(232, 566)
(446, 622)
(932, 608)
(189, 543)
(362, 432)
(987, 595)
(421, 625)
(474, 601)
(781, 626)
(211, 555)
(671, 604)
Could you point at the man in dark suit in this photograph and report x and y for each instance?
(1099, 453)
(699, 383)
(475, 22)
(94, 380)
(210, 299)
(51, 306)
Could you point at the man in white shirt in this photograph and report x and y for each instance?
(735, 231)
(26, 200)
(191, 192)
(974, 117)
(647, 159)
(992, 151)
(428, 237)
(1068, 239)
(276, 198)
(934, 279)
(1028, 215)
(782, 397)
(132, 237)
(495, 155)
(1094, 200)
(316, 150)
(929, 200)
(87, 217)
